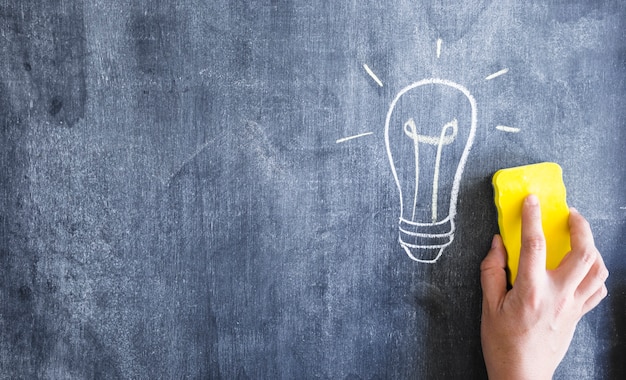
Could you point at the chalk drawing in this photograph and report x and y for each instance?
(424, 229)
(410, 130)
(371, 73)
(497, 74)
(344, 139)
(504, 128)
(439, 47)
(418, 237)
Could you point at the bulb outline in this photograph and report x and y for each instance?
(456, 182)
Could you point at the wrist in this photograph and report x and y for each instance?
(505, 370)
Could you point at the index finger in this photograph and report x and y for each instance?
(532, 261)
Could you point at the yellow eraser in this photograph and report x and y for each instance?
(511, 186)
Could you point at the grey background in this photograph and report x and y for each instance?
(174, 203)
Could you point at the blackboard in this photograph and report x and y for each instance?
(204, 189)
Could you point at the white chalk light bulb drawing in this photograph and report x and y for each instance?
(429, 131)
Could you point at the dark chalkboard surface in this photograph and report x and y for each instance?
(205, 189)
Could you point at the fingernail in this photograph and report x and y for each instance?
(532, 200)
(574, 210)
(494, 241)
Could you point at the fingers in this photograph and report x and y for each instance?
(594, 300)
(582, 268)
(580, 230)
(532, 262)
(594, 279)
(592, 290)
(576, 265)
(493, 272)
(592, 287)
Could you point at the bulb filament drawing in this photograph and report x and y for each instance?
(427, 145)
(410, 130)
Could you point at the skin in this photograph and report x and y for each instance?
(526, 331)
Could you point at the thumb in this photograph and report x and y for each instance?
(493, 273)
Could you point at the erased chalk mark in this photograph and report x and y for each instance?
(497, 74)
(186, 161)
(439, 42)
(504, 128)
(371, 73)
(354, 137)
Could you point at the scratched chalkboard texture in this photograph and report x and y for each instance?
(229, 189)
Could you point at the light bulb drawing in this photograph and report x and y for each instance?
(417, 151)
(428, 134)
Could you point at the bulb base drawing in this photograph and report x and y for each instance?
(425, 242)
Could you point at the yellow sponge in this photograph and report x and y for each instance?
(511, 186)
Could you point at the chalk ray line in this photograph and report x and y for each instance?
(344, 139)
(371, 73)
(504, 128)
(497, 74)
(439, 41)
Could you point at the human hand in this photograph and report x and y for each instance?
(526, 331)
